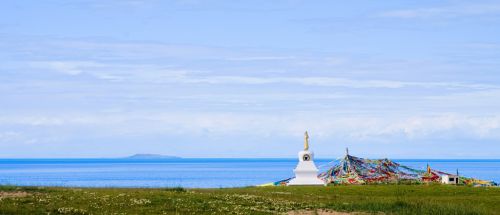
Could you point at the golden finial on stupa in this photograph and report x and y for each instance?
(306, 141)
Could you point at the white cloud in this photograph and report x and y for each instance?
(65, 67)
(429, 126)
(445, 11)
(330, 82)
(478, 99)
(122, 72)
(44, 120)
(113, 4)
(260, 58)
(9, 136)
(112, 71)
(322, 124)
(483, 46)
(141, 50)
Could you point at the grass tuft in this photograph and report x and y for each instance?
(176, 189)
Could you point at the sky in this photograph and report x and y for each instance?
(189, 78)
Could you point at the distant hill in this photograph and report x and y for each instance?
(151, 156)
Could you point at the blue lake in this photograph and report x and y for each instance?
(200, 173)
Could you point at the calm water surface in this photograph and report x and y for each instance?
(201, 173)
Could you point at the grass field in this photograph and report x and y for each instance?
(386, 199)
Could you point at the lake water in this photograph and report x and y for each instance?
(200, 173)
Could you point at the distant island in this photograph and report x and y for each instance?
(151, 156)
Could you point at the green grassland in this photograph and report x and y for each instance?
(377, 199)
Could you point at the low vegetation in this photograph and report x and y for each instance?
(367, 199)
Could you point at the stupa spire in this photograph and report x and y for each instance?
(306, 141)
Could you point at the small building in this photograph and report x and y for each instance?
(449, 179)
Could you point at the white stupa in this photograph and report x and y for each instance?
(306, 172)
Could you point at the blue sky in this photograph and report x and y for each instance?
(192, 78)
